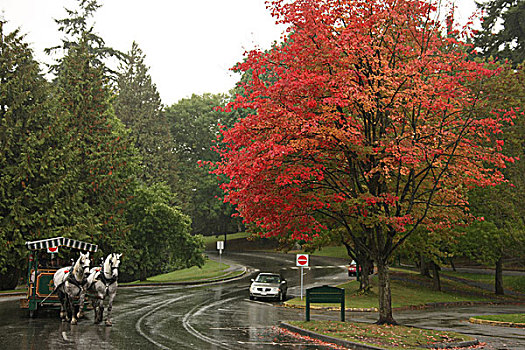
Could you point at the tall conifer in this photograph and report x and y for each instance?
(503, 31)
(103, 157)
(138, 106)
(33, 160)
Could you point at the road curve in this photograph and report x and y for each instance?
(220, 315)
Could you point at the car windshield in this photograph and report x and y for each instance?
(268, 279)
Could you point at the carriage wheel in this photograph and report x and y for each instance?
(32, 313)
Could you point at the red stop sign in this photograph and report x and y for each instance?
(302, 260)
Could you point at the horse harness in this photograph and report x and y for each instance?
(106, 281)
(71, 279)
(103, 279)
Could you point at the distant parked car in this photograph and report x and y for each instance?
(352, 269)
(268, 285)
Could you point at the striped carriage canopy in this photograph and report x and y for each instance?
(61, 241)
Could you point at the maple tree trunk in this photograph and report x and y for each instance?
(499, 277)
(385, 297)
(364, 279)
(366, 265)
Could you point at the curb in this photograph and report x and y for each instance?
(414, 307)
(13, 294)
(328, 339)
(458, 345)
(359, 346)
(185, 283)
(496, 323)
(328, 308)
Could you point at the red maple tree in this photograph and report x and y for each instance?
(363, 118)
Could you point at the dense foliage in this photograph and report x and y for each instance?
(69, 166)
(139, 107)
(502, 235)
(103, 158)
(33, 161)
(502, 33)
(160, 239)
(194, 125)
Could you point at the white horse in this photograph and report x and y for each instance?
(71, 282)
(102, 282)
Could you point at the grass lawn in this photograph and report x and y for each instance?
(514, 283)
(17, 290)
(405, 294)
(212, 239)
(514, 318)
(331, 251)
(388, 337)
(210, 270)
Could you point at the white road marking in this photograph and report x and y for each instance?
(138, 325)
(258, 302)
(199, 309)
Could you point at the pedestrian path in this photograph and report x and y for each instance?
(485, 286)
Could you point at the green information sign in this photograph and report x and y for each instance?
(325, 294)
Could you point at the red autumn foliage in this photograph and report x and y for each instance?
(364, 118)
(364, 113)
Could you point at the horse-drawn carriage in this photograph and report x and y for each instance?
(41, 271)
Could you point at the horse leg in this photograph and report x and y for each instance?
(95, 309)
(67, 307)
(81, 303)
(63, 311)
(101, 311)
(111, 296)
(72, 310)
(97, 305)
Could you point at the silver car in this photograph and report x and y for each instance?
(268, 285)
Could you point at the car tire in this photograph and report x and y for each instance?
(252, 297)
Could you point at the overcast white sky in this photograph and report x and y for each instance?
(189, 44)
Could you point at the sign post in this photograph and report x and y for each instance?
(301, 260)
(220, 247)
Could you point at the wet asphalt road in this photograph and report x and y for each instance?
(213, 316)
(220, 316)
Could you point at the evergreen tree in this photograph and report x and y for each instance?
(503, 30)
(78, 24)
(33, 159)
(103, 157)
(139, 107)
